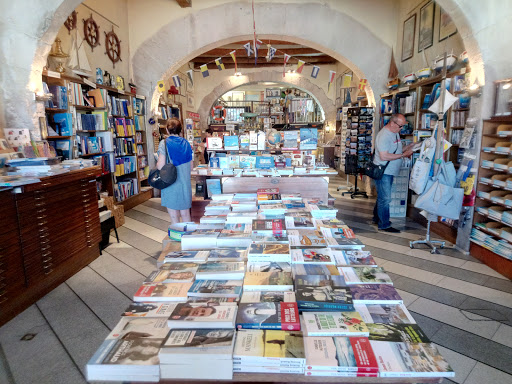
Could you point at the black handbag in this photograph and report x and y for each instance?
(374, 171)
(165, 177)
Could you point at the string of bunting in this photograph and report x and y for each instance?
(253, 50)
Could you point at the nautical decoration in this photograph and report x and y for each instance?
(300, 66)
(332, 75)
(286, 58)
(79, 63)
(233, 56)
(113, 47)
(70, 22)
(99, 75)
(91, 32)
(314, 72)
(59, 56)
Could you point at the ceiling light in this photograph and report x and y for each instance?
(238, 74)
(506, 85)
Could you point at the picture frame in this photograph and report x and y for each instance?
(447, 27)
(409, 33)
(426, 31)
(190, 100)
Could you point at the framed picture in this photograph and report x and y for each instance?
(190, 101)
(426, 34)
(447, 27)
(408, 38)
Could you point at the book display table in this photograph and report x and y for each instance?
(289, 378)
(50, 231)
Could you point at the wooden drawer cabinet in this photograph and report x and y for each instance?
(51, 231)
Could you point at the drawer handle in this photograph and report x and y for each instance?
(46, 259)
(41, 217)
(47, 266)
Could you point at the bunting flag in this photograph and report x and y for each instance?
(286, 58)
(204, 70)
(332, 75)
(348, 100)
(248, 49)
(347, 80)
(233, 56)
(220, 64)
(190, 75)
(314, 72)
(177, 81)
(362, 84)
(300, 66)
(271, 53)
(257, 45)
(160, 86)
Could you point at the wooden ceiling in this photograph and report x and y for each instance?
(301, 52)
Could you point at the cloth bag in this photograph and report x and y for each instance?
(165, 177)
(441, 199)
(421, 169)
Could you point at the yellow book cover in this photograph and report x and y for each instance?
(284, 344)
(268, 278)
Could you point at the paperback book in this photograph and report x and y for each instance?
(162, 292)
(268, 281)
(269, 266)
(375, 294)
(269, 252)
(166, 276)
(410, 333)
(191, 256)
(268, 315)
(314, 269)
(228, 254)
(299, 222)
(365, 275)
(202, 315)
(149, 310)
(306, 238)
(268, 296)
(221, 271)
(312, 256)
(130, 328)
(354, 258)
(334, 324)
(273, 227)
(383, 313)
(216, 288)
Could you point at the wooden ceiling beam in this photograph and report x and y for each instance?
(184, 3)
(260, 65)
(261, 52)
(250, 60)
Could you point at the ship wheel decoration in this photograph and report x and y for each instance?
(113, 47)
(70, 23)
(91, 32)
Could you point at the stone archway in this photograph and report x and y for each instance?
(274, 76)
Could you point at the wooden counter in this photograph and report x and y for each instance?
(50, 230)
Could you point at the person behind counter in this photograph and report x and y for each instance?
(177, 198)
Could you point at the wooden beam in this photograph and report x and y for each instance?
(184, 3)
(249, 60)
(251, 65)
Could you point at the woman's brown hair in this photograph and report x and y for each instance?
(173, 126)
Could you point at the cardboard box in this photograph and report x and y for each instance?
(118, 213)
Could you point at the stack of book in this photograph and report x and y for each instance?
(258, 292)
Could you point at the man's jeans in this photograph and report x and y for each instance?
(381, 210)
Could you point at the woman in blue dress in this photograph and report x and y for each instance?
(177, 198)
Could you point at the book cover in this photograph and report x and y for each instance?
(299, 222)
(244, 141)
(320, 280)
(410, 360)
(269, 238)
(130, 328)
(306, 238)
(314, 269)
(149, 310)
(132, 352)
(268, 266)
(180, 256)
(221, 267)
(238, 227)
(340, 354)
(411, 333)
(308, 138)
(268, 296)
(199, 341)
(312, 255)
(383, 313)
(296, 159)
(231, 143)
(290, 140)
(341, 231)
(260, 281)
(213, 186)
(233, 161)
(264, 162)
(334, 324)
(324, 298)
(214, 143)
(344, 243)
(269, 249)
(365, 275)
(202, 313)
(216, 288)
(166, 276)
(269, 226)
(268, 315)
(228, 254)
(162, 292)
(356, 258)
(247, 162)
(375, 294)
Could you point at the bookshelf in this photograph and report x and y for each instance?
(491, 239)
(104, 124)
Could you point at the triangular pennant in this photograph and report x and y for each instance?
(177, 81)
(300, 66)
(220, 64)
(233, 56)
(248, 49)
(314, 72)
(286, 58)
(332, 75)
(190, 74)
(271, 53)
(204, 70)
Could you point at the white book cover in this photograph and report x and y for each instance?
(384, 313)
(241, 217)
(213, 343)
(268, 296)
(186, 256)
(222, 196)
(312, 256)
(334, 324)
(202, 315)
(410, 360)
(214, 143)
(213, 270)
(269, 266)
(299, 222)
(365, 275)
(149, 310)
(140, 327)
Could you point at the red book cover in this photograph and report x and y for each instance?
(145, 291)
(264, 191)
(277, 227)
(349, 234)
(363, 353)
(290, 317)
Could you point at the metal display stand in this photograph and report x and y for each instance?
(433, 244)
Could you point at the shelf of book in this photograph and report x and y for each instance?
(55, 110)
(93, 154)
(58, 137)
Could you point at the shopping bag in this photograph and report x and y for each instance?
(421, 169)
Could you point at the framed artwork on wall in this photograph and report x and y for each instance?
(190, 101)
(447, 27)
(426, 34)
(408, 38)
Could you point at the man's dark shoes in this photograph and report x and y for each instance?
(391, 230)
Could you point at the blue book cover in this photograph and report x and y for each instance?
(308, 138)
(213, 186)
(247, 161)
(223, 162)
(264, 162)
(216, 288)
(214, 162)
(63, 123)
(231, 142)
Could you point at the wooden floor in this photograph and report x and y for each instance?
(463, 305)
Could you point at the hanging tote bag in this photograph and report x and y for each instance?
(440, 199)
(165, 177)
(421, 169)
